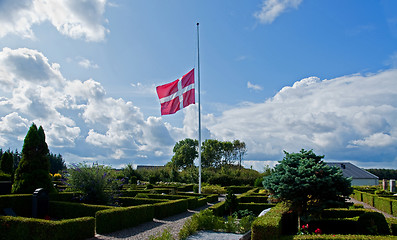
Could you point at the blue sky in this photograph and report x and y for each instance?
(276, 74)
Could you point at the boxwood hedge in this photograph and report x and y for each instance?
(32, 228)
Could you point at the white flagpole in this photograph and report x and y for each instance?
(199, 107)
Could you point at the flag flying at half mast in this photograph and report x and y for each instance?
(177, 94)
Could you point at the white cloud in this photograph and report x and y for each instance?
(75, 114)
(329, 116)
(376, 140)
(254, 86)
(85, 63)
(271, 9)
(73, 18)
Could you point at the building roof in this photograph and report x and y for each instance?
(350, 170)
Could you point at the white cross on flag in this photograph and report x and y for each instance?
(178, 94)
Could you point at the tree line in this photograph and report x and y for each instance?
(214, 153)
(383, 173)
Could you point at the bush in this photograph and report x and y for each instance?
(239, 189)
(115, 219)
(67, 210)
(373, 223)
(128, 201)
(383, 204)
(32, 228)
(258, 182)
(342, 213)
(213, 189)
(166, 209)
(269, 226)
(253, 199)
(20, 203)
(218, 209)
(94, 183)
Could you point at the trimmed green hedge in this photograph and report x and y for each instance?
(20, 203)
(253, 199)
(383, 204)
(368, 198)
(269, 226)
(218, 209)
(32, 228)
(186, 188)
(129, 201)
(256, 208)
(239, 189)
(132, 193)
(343, 213)
(67, 210)
(336, 226)
(62, 196)
(166, 209)
(115, 219)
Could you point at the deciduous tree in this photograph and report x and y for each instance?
(185, 151)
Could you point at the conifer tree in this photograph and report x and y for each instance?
(6, 163)
(33, 169)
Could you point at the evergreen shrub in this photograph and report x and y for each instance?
(239, 189)
(128, 201)
(383, 204)
(218, 209)
(253, 199)
(32, 228)
(21, 204)
(269, 226)
(336, 226)
(170, 208)
(67, 210)
(373, 223)
(115, 219)
(343, 213)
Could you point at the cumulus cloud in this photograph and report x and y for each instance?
(344, 116)
(85, 63)
(254, 86)
(75, 114)
(73, 18)
(271, 9)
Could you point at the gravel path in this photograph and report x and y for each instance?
(155, 227)
(370, 207)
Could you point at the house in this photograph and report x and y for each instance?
(359, 176)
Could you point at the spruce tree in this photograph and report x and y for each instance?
(33, 169)
(6, 163)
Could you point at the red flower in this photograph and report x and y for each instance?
(318, 231)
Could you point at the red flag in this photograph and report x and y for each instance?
(178, 94)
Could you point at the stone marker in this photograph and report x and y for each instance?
(392, 185)
(40, 203)
(384, 184)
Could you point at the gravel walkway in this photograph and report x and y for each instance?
(155, 227)
(370, 207)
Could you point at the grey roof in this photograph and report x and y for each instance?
(350, 170)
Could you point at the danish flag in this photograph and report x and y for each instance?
(177, 94)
